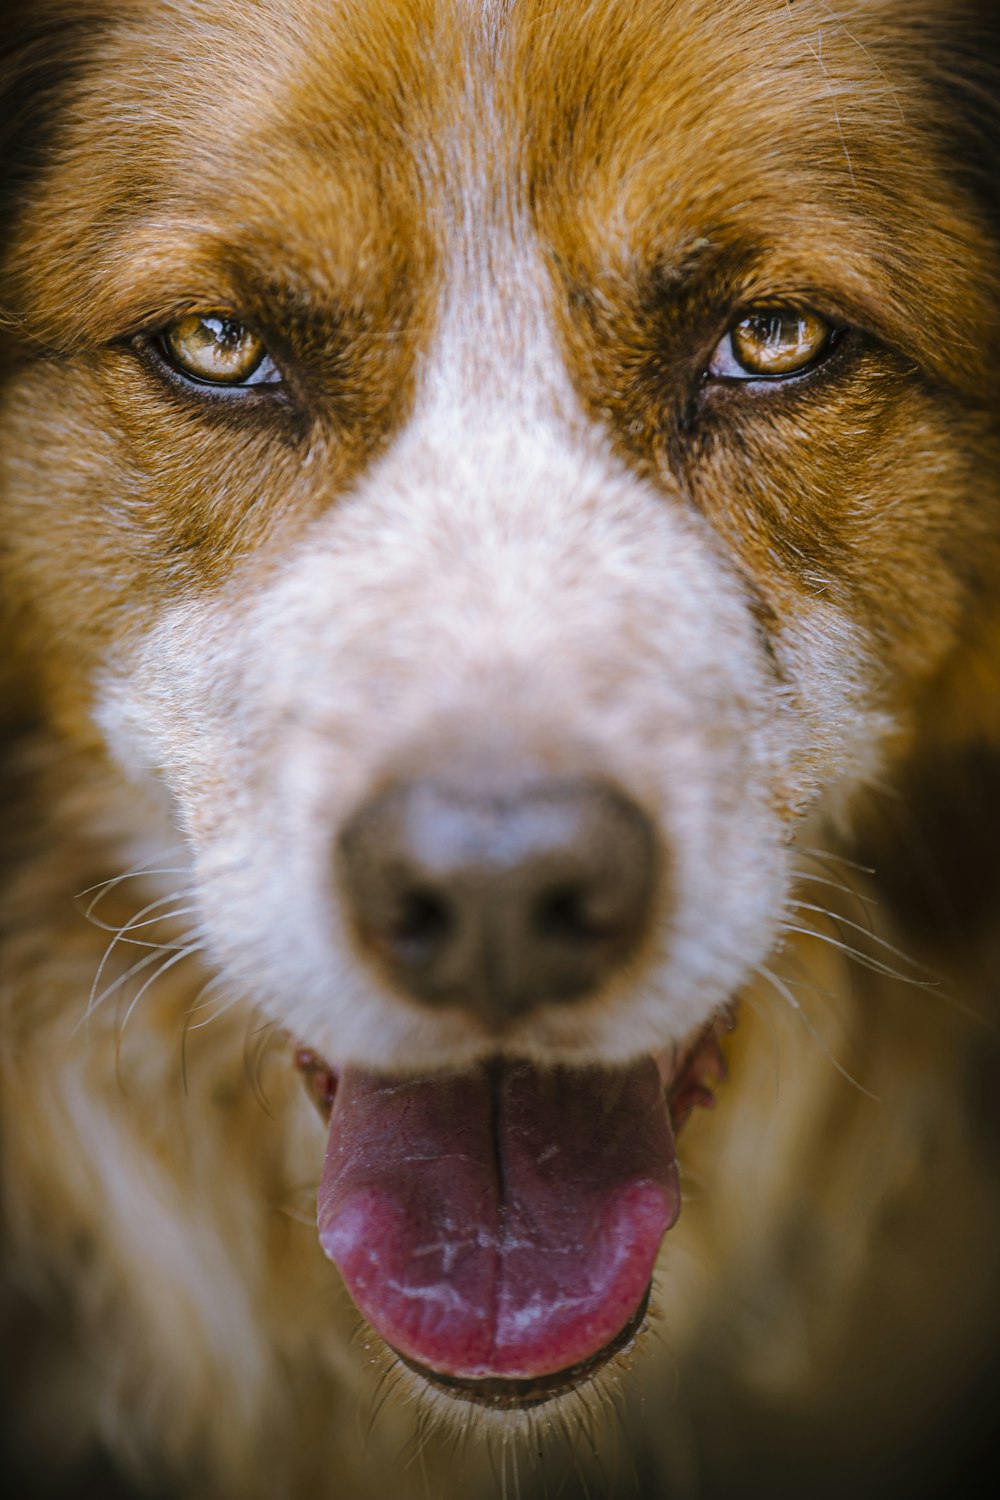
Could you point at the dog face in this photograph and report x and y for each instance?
(499, 487)
(432, 420)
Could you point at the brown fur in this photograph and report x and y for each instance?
(802, 627)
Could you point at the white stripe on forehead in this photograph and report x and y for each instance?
(495, 348)
(487, 18)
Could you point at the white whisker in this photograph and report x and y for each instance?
(120, 937)
(220, 1010)
(134, 921)
(168, 963)
(786, 994)
(141, 871)
(882, 942)
(96, 1001)
(863, 960)
(830, 856)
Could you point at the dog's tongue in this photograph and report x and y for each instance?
(501, 1222)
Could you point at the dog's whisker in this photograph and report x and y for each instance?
(834, 857)
(120, 936)
(783, 990)
(866, 961)
(212, 984)
(873, 964)
(838, 920)
(171, 914)
(104, 888)
(220, 1010)
(92, 1001)
(763, 1014)
(129, 942)
(801, 877)
(215, 983)
(96, 1001)
(256, 1041)
(803, 980)
(864, 902)
(297, 1215)
(169, 962)
(138, 920)
(863, 960)
(859, 890)
(144, 870)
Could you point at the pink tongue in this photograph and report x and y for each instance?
(502, 1222)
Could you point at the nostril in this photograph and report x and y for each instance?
(569, 914)
(421, 926)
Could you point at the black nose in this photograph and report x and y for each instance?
(498, 903)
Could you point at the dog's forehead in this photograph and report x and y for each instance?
(338, 150)
(348, 123)
(656, 119)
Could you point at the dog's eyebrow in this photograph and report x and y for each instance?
(164, 268)
(839, 268)
(718, 271)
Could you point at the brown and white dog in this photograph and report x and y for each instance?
(494, 498)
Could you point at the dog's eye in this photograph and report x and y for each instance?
(769, 343)
(217, 350)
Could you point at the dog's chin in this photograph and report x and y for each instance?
(498, 1226)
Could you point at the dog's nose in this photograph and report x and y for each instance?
(498, 903)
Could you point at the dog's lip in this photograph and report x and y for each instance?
(689, 1070)
(319, 1078)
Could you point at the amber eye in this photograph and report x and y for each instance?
(771, 342)
(217, 350)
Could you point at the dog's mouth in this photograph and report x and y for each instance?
(498, 1227)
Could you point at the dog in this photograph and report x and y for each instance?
(500, 566)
